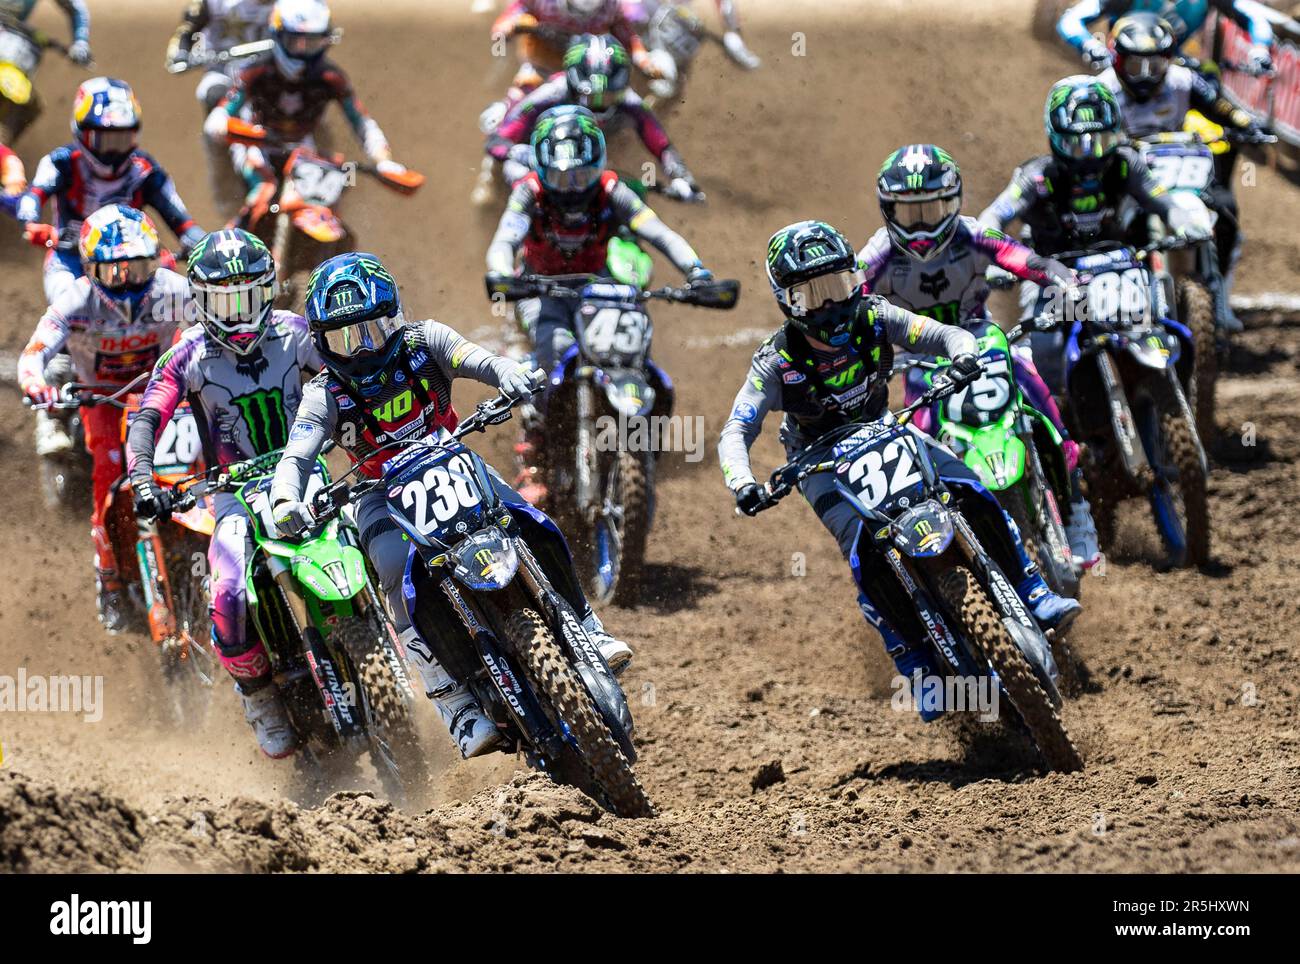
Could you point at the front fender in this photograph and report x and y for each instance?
(629, 393)
(333, 571)
(992, 452)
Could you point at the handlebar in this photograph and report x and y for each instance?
(716, 293)
(75, 395)
(219, 57)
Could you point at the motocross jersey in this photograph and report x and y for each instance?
(78, 15)
(951, 287)
(1063, 211)
(222, 24)
(291, 109)
(243, 404)
(517, 127)
(819, 390)
(1183, 90)
(556, 241)
(66, 175)
(109, 342)
(415, 403)
(1186, 17)
(608, 18)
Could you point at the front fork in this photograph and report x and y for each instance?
(156, 581)
(586, 496)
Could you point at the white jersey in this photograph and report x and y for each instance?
(110, 343)
(233, 22)
(1164, 111)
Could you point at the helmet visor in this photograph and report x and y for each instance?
(304, 46)
(108, 142)
(363, 338)
(122, 274)
(1148, 69)
(236, 313)
(921, 214)
(1084, 146)
(570, 181)
(835, 288)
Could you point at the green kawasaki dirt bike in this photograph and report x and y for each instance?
(1014, 450)
(333, 650)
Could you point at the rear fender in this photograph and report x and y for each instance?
(319, 223)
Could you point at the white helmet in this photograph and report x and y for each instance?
(301, 31)
(580, 9)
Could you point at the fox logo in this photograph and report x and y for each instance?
(934, 284)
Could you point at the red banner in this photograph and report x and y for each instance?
(1254, 93)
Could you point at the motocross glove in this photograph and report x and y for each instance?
(41, 394)
(40, 235)
(965, 367)
(79, 53)
(1096, 54)
(741, 55)
(646, 64)
(293, 518)
(751, 499)
(680, 189)
(698, 273)
(1259, 61)
(151, 502)
(518, 383)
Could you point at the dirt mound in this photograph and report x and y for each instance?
(764, 726)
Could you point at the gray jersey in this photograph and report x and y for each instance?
(414, 403)
(1164, 111)
(244, 404)
(854, 381)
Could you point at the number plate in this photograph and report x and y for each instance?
(318, 181)
(614, 336)
(256, 496)
(884, 474)
(438, 496)
(1120, 297)
(986, 398)
(1181, 167)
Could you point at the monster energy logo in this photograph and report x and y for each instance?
(915, 180)
(263, 413)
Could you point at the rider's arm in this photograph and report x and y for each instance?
(195, 18)
(760, 394)
(645, 224)
(1143, 187)
(458, 357)
(512, 229)
(48, 339)
(517, 126)
(1206, 99)
(875, 258)
(1015, 201)
(160, 194)
(364, 126)
(313, 425)
(654, 136)
(919, 334)
(1249, 16)
(78, 18)
(730, 15)
(1073, 25)
(1018, 259)
(505, 24)
(49, 180)
(168, 384)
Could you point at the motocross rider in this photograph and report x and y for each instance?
(545, 28)
(562, 216)
(102, 166)
(931, 260)
(1186, 18)
(215, 26)
(387, 379)
(241, 368)
(829, 364)
(287, 91)
(114, 321)
(642, 12)
(596, 77)
(1070, 198)
(78, 19)
(1155, 95)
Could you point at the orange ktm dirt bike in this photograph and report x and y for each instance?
(163, 564)
(298, 218)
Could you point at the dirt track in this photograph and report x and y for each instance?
(1189, 721)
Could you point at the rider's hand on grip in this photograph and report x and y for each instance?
(79, 53)
(965, 368)
(43, 395)
(293, 518)
(1096, 54)
(152, 503)
(40, 235)
(519, 383)
(752, 499)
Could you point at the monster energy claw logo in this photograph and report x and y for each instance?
(264, 415)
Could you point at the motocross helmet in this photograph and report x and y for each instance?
(582, 9)
(598, 72)
(354, 313)
(816, 279)
(1144, 47)
(106, 123)
(919, 189)
(1083, 124)
(569, 155)
(232, 279)
(119, 252)
(301, 32)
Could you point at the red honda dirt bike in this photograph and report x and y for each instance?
(162, 564)
(301, 225)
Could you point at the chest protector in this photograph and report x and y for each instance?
(573, 241)
(823, 390)
(416, 403)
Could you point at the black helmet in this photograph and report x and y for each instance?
(919, 189)
(816, 279)
(1083, 123)
(232, 279)
(1144, 46)
(569, 154)
(598, 72)
(354, 313)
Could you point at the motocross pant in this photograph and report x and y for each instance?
(102, 425)
(241, 652)
(549, 324)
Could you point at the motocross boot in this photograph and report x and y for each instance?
(264, 710)
(112, 602)
(913, 663)
(52, 436)
(1054, 613)
(1081, 530)
(459, 709)
(617, 653)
